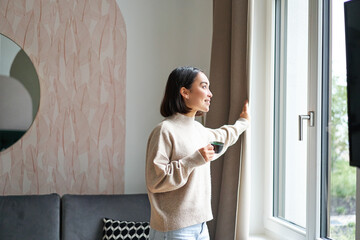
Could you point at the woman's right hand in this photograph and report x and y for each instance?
(207, 152)
(245, 111)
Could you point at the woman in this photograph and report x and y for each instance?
(178, 158)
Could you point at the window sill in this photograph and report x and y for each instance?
(261, 237)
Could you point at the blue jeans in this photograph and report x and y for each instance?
(194, 232)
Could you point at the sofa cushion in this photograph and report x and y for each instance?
(124, 230)
(82, 215)
(30, 217)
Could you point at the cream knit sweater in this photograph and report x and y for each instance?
(177, 176)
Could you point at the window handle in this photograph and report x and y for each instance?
(309, 117)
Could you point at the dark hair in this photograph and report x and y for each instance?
(173, 102)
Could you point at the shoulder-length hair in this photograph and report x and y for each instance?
(173, 102)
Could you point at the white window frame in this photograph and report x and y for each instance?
(273, 226)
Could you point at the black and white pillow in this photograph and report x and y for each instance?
(125, 230)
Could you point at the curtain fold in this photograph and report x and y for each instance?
(230, 87)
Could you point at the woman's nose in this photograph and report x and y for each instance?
(210, 94)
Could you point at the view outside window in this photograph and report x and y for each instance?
(342, 176)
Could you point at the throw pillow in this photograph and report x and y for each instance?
(125, 230)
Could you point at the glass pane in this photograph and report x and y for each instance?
(293, 85)
(342, 176)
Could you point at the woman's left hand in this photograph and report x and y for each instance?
(245, 114)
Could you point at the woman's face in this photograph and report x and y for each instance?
(198, 96)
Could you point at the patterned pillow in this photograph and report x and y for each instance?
(125, 230)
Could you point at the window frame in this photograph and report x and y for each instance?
(274, 226)
(325, 118)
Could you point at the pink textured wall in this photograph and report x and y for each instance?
(77, 141)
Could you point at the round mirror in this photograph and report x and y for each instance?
(19, 92)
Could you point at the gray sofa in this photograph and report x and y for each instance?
(70, 217)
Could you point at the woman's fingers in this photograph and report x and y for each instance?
(246, 106)
(207, 152)
(244, 113)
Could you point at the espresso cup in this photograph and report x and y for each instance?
(218, 146)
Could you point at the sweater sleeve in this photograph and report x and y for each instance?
(162, 173)
(228, 134)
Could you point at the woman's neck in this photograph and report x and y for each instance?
(191, 114)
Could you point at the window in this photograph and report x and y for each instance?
(314, 188)
(291, 100)
(296, 119)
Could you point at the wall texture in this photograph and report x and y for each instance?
(77, 141)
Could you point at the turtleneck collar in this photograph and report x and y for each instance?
(182, 118)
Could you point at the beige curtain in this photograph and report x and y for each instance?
(230, 87)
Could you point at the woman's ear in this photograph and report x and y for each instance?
(184, 92)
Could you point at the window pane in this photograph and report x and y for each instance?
(292, 102)
(342, 176)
